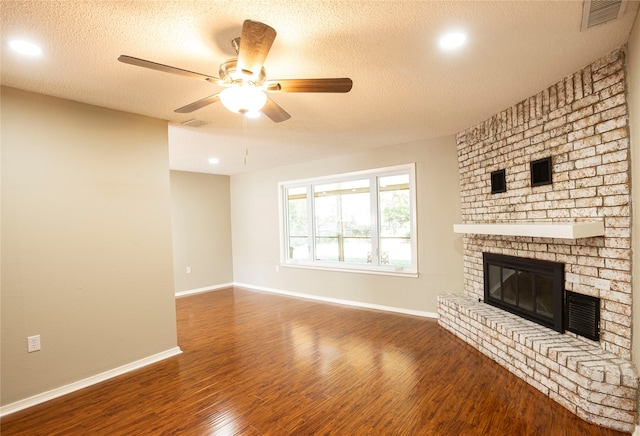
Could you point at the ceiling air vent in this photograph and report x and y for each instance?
(194, 122)
(596, 12)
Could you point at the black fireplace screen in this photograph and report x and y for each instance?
(532, 289)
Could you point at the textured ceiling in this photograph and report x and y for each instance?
(405, 88)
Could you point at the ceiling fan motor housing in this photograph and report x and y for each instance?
(230, 75)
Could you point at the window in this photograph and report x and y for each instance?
(361, 221)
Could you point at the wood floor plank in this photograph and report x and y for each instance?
(261, 364)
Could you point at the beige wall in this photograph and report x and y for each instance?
(633, 96)
(255, 232)
(86, 241)
(201, 221)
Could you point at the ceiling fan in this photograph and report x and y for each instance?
(244, 78)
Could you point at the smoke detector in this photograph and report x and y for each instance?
(596, 12)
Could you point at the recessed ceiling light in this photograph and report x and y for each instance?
(214, 160)
(25, 47)
(453, 40)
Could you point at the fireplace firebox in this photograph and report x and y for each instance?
(532, 289)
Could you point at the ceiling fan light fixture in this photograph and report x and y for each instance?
(252, 114)
(243, 99)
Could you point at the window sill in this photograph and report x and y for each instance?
(363, 270)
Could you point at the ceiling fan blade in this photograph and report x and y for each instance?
(166, 68)
(198, 104)
(255, 43)
(274, 111)
(310, 85)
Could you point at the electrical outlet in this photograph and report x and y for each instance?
(188, 270)
(33, 343)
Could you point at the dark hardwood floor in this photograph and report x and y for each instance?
(261, 364)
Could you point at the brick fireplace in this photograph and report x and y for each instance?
(581, 124)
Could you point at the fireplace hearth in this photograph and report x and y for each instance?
(598, 386)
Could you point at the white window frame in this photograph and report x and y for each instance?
(373, 268)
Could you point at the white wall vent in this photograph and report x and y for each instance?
(194, 122)
(596, 12)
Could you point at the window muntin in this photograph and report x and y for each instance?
(359, 221)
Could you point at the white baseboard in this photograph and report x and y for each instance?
(201, 290)
(80, 384)
(341, 301)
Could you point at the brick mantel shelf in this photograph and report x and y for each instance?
(566, 230)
